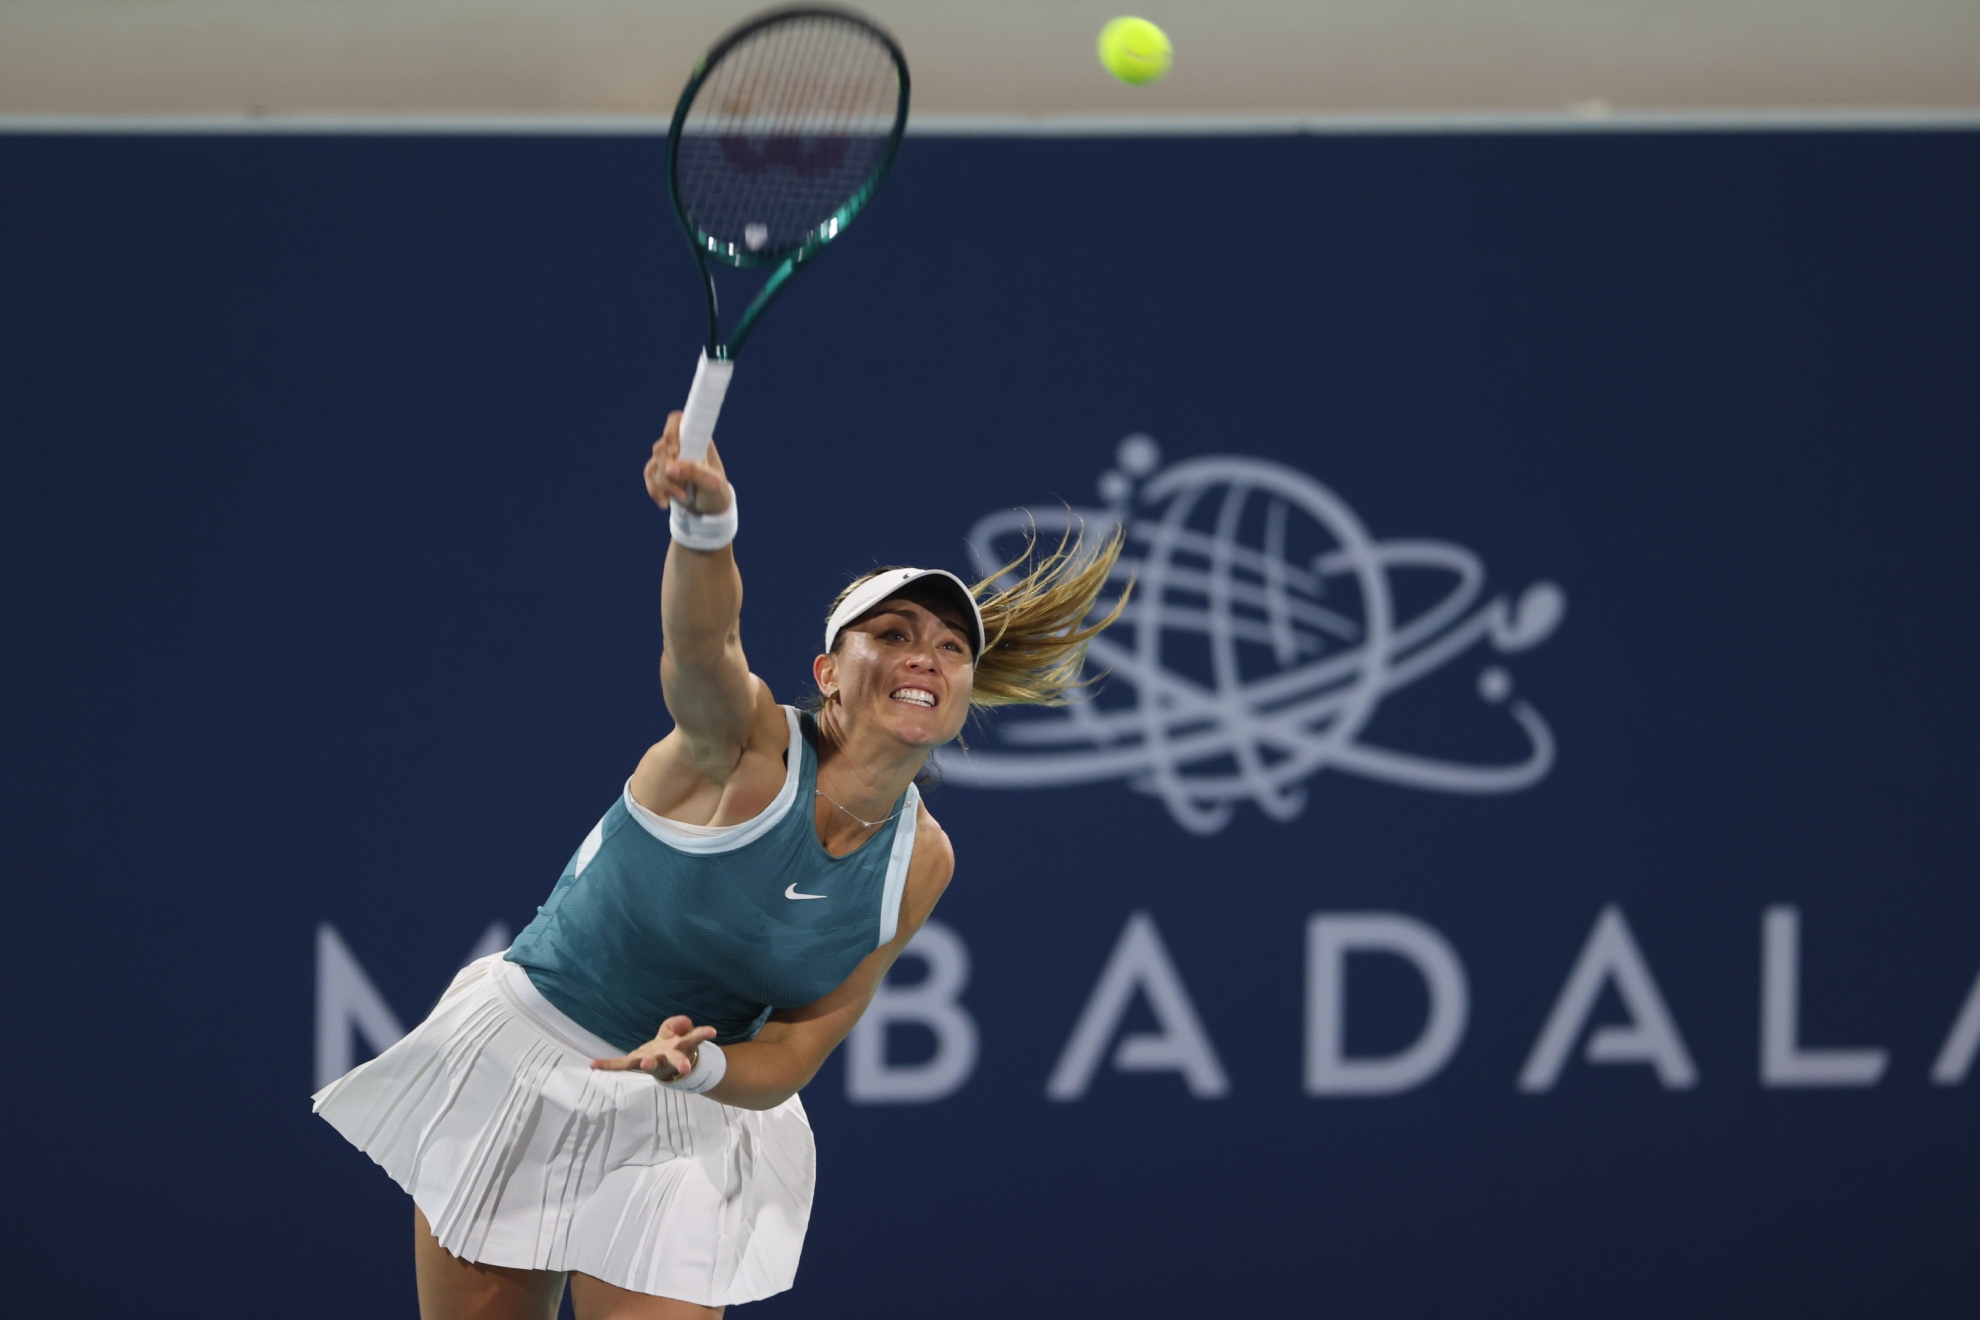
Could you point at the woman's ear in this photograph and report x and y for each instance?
(825, 673)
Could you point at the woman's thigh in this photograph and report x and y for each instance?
(595, 1299)
(454, 1289)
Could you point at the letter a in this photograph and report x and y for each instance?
(1610, 958)
(1139, 962)
(1956, 1055)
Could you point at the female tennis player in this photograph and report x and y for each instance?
(614, 1101)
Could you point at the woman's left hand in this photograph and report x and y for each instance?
(668, 1055)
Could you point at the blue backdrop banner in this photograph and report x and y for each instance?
(1519, 859)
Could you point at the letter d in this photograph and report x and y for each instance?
(1330, 937)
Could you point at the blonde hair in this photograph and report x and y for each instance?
(1035, 630)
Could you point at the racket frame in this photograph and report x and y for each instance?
(788, 261)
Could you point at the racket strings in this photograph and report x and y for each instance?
(790, 125)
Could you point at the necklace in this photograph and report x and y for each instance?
(869, 824)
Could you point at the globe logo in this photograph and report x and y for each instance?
(1266, 628)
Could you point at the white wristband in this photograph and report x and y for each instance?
(710, 1066)
(703, 531)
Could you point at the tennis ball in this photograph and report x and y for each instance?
(1135, 50)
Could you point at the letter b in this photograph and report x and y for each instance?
(931, 1003)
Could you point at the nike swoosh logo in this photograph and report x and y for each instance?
(793, 893)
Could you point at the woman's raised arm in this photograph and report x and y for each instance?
(703, 673)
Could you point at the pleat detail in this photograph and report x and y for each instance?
(521, 1154)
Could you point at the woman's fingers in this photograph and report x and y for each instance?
(706, 489)
(665, 450)
(670, 479)
(673, 1046)
(679, 1039)
(692, 484)
(665, 488)
(641, 1061)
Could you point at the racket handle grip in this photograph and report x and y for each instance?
(704, 405)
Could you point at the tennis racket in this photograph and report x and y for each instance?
(781, 138)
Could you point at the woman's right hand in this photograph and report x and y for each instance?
(703, 487)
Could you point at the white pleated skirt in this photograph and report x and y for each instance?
(521, 1154)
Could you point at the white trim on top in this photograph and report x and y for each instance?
(898, 859)
(588, 850)
(1592, 117)
(735, 836)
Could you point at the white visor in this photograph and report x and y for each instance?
(883, 585)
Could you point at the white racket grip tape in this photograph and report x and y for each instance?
(704, 405)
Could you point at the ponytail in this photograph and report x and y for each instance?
(1036, 627)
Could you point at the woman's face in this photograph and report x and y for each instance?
(906, 666)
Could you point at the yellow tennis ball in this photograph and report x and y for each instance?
(1135, 50)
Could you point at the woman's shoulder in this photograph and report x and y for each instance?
(686, 781)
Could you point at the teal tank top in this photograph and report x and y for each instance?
(646, 923)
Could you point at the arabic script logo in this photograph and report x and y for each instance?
(1263, 633)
